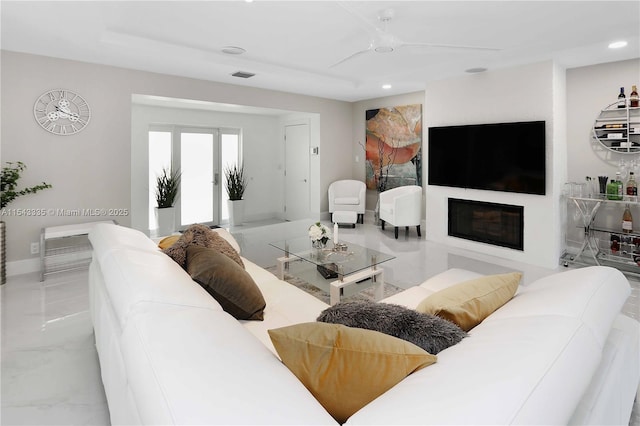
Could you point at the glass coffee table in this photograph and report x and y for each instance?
(340, 271)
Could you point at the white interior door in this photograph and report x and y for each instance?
(296, 172)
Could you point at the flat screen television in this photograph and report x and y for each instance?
(498, 157)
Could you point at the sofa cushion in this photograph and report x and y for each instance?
(346, 368)
(108, 237)
(502, 374)
(203, 236)
(350, 201)
(431, 333)
(133, 277)
(470, 302)
(447, 279)
(190, 366)
(286, 304)
(227, 282)
(594, 294)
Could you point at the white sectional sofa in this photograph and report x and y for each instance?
(559, 352)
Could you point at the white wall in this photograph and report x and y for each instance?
(92, 169)
(525, 93)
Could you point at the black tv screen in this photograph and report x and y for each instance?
(498, 157)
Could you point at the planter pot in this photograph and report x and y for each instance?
(236, 212)
(166, 219)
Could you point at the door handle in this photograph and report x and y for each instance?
(216, 178)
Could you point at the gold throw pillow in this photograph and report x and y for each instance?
(345, 368)
(470, 302)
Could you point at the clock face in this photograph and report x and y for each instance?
(62, 112)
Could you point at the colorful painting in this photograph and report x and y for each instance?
(394, 147)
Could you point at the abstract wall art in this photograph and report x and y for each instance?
(394, 147)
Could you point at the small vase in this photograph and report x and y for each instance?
(318, 244)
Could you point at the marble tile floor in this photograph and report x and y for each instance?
(49, 367)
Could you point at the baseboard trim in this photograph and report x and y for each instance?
(25, 266)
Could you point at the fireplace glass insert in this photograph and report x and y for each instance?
(491, 223)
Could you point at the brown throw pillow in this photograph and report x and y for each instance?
(345, 368)
(203, 236)
(226, 282)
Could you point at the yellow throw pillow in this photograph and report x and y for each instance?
(168, 241)
(470, 302)
(345, 368)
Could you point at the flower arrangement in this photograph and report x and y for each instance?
(319, 232)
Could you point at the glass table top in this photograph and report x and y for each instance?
(351, 259)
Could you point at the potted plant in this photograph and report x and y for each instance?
(8, 182)
(167, 186)
(235, 184)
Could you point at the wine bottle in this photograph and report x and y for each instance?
(612, 126)
(632, 187)
(620, 186)
(627, 220)
(634, 99)
(622, 99)
(612, 190)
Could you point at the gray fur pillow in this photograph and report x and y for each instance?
(431, 333)
(203, 236)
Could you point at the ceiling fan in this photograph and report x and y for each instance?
(385, 42)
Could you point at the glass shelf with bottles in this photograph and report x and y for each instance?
(617, 127)
(620, 248)
(626, 199)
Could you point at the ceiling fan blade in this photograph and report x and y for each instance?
(353, 55)
(448, 46)
(368, 26)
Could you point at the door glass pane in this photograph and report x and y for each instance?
(229, 156)
(196, 186)
(159, 158)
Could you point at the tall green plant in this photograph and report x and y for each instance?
(167, 185)
(9, 181)
(236, 181)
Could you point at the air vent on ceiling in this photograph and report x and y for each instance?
(243, 74)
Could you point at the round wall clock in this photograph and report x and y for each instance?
(62, 112)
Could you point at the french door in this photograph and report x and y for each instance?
(199, 154)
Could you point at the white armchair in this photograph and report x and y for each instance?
(401, 206)
(347, 196)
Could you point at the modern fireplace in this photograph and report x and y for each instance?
(497, 224)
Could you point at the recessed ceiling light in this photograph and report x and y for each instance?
(475, 70)
(243, 74)
(386, 86)
(384, 49)
(617, 44)
(233, 50)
